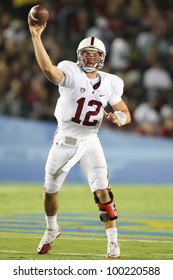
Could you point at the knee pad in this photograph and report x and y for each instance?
(50, 188)
(109, 210)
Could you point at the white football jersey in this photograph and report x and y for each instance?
(80, 107)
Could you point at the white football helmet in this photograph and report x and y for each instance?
(91, 44)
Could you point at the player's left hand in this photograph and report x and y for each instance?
(111, 117)
(117, 117)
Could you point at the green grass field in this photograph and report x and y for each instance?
(145, 223)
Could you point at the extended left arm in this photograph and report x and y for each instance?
(120, 115)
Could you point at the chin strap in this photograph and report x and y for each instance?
(109, 211)
(89, 69)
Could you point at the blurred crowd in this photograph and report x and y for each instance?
(138, 36)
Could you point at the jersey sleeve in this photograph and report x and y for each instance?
(68, 68)
(117, 90)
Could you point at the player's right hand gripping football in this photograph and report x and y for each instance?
(35, 29)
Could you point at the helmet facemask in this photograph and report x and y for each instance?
(88, 62)
(91, 62)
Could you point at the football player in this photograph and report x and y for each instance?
(84, 93)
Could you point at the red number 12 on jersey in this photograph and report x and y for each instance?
(86, 121)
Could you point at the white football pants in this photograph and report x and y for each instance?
(65, 154)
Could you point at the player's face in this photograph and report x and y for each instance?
(91, 58)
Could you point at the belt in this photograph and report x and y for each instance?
(79, 153)
(71, 141)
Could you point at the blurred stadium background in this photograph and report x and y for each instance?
(139, 41)
(24, 145)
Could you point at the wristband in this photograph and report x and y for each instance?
(121, 117)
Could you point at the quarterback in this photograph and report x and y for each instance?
(84, 93)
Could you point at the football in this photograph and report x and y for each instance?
(38, 15)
